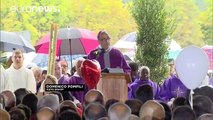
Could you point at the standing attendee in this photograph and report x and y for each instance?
(144, 74)
(134, 71)
(44, 74)
(64, 67)
(172, 88)
(3, 82)
(62, 79)
(37, 71)
(77, 79)
(107, 56)
(18, 76)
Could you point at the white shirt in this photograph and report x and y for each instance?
(3, 82)
(20, 78)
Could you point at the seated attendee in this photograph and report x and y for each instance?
(134, 105)
(93, 96)
(20, 93)
(179, 101)
(109, 103)
(67, 95)
(46, 113)
(78, 79)
(4, 115)
(69, 115)
(152, 110)
(201, 105)
(70, 104)
(59, 94)
(167, 109)
(31, 101)
(144, 93)
(144, 74)
(17, 114)
(206, 116)
(26, 109)
(205, 90)
(172, 88)
(107, 56)
(50, 100)
(10, 99)
(119, 111)
(104, 118)
(183, 113)
(94, 111)
(134, 117)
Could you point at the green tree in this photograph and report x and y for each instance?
(28, 16)
(206, 22)
(188, 30)
(153, 29)
(111, 15)
(95, 15)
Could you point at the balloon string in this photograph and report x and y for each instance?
(191, 98)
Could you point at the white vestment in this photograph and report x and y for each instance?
(20, 78)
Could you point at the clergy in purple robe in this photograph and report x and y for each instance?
(62, 79)
(77, 79)
(107, 56)
(172, 88)
(144, 79)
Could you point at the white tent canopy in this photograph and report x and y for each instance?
(127, 42)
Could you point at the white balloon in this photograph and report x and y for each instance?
(192, 66)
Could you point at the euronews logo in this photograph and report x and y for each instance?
(35, 9)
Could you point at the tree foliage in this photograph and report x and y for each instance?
(206, 22)
(153, 29)
(95, 15)
(188, 29)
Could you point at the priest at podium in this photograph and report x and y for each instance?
(107, 56)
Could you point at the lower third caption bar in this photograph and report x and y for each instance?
(64, 87)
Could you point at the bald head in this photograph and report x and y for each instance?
(45, 113)
(152, 110)
(94, 111)
(4, 115)
(93, 96)
(206, 116)
(119, 111)
(134, 117)
(10, 99)
(68, 103)
(78, 66)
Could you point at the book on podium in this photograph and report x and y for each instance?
(114, 86)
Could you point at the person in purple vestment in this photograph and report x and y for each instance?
(107, 56)
(172, 88)
(62, 79)
(77, 79)
(144, 79)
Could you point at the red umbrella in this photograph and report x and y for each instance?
(71, 41)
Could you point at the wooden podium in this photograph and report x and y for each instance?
(114, 86)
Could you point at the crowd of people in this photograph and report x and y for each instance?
(23, 95)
